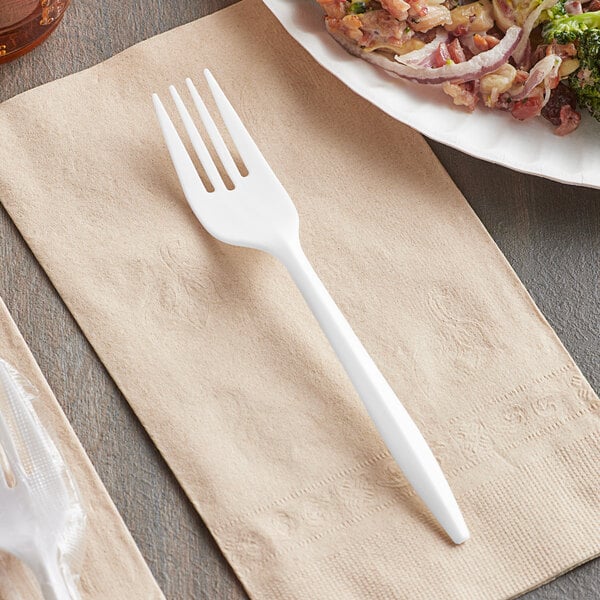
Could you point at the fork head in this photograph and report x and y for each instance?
(41, 517)
(257, 212)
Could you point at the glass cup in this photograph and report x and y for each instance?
(26, 23)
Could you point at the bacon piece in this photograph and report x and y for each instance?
(334, 8)
(396, 8)
(485, 42)
(528, 107)
(562, 50)
(569, 120)
(441, 56)
(456, 51)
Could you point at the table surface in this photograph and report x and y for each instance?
(549, 232)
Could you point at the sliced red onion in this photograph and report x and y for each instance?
(474, 68)
(423, 56)
(552, 76)
(540, 72)
(529, 24)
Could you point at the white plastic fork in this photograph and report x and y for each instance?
(258, 213)
(41, 518)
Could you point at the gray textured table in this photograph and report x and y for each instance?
(550, 233)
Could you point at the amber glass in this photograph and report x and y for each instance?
(26, 23)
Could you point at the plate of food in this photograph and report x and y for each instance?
(516, 84)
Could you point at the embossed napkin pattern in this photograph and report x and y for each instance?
(226, 368)
(111, 565)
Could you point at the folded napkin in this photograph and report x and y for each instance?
(226, 368)
(111, 565)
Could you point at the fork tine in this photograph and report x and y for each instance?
(213, 133)
(6, 439)
(197, 142)
(8, 446)
(34, 437)
(7, 478)
(249, 151)
(186, 171)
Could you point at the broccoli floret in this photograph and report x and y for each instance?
(558, 10)
(589, 48)
(585, 82)
(565, 28)
(584, 31)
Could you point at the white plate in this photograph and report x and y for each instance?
(495, 136)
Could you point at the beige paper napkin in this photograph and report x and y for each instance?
(111, 564)
(226, 368)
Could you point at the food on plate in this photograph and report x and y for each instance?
(527, 57)
(572, 27)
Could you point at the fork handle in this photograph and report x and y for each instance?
(397, 429)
